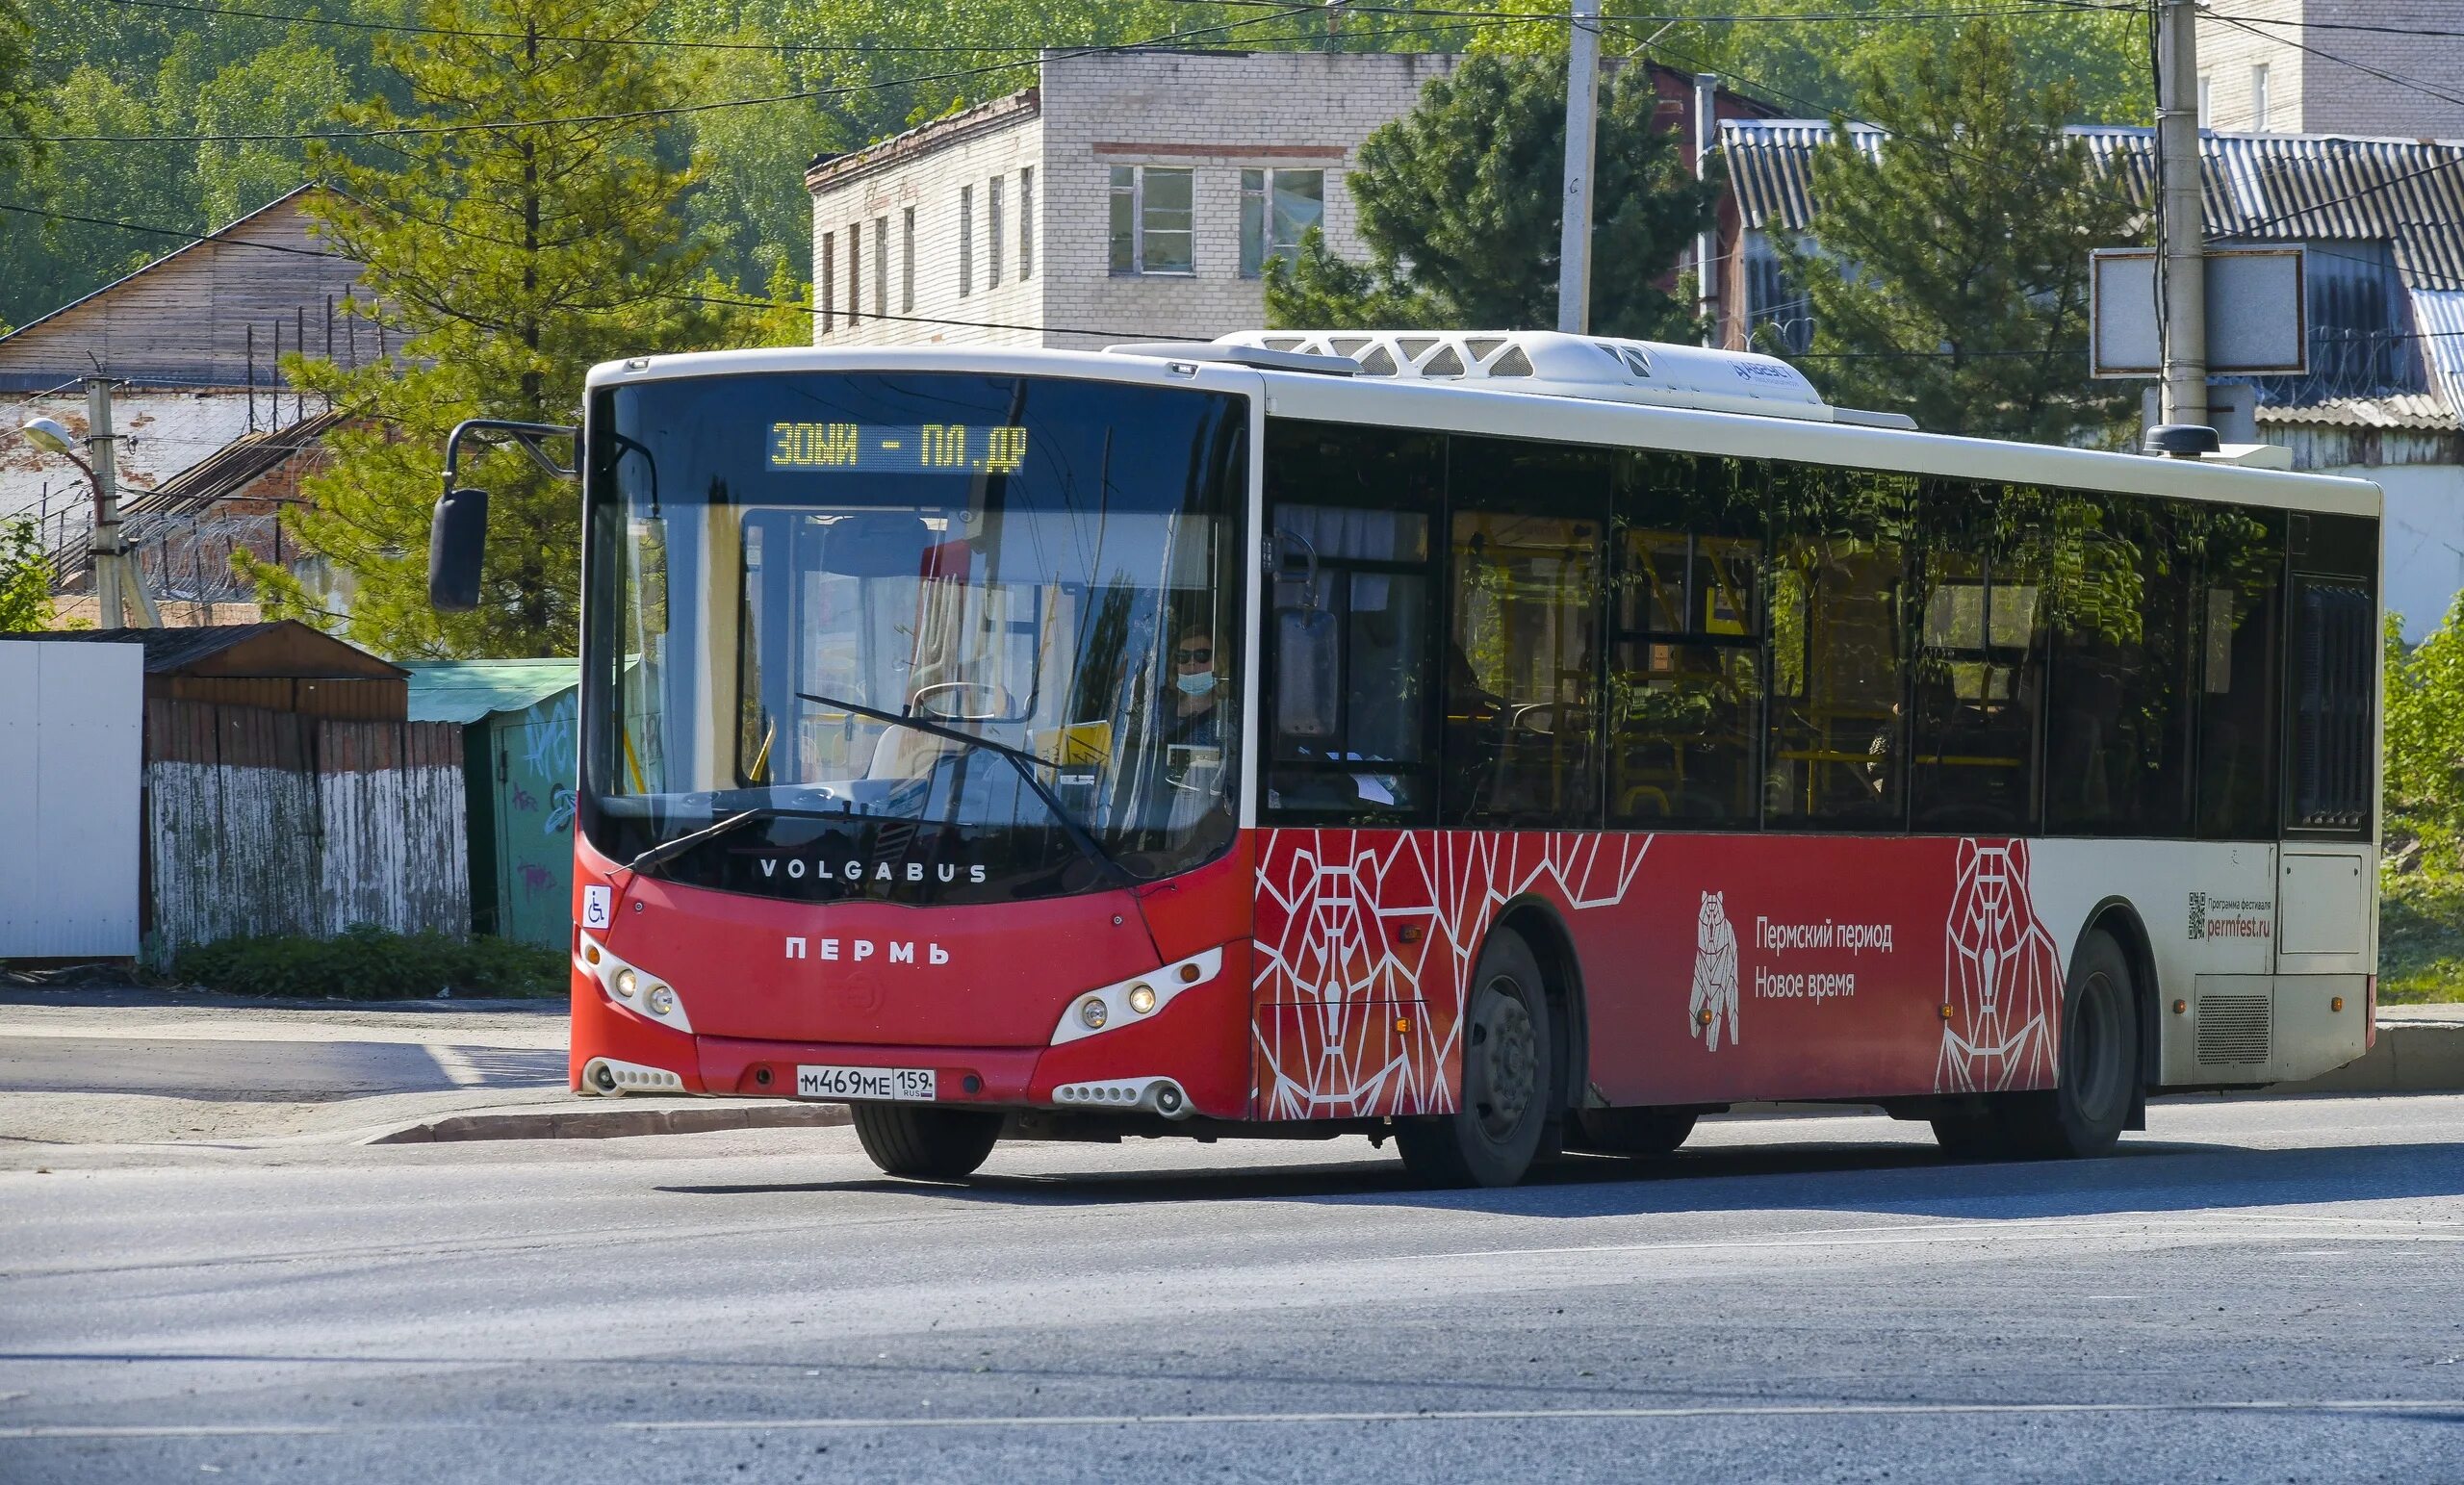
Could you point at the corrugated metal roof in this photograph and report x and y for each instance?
(2405, 410)
(464, 691)
(2258, 187)
(2438, 318)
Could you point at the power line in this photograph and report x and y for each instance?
(2214, 14)
(670, 111)
(681, 44)
(190, 238)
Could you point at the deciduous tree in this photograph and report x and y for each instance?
(25, 579)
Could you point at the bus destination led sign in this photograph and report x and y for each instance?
(875, 449)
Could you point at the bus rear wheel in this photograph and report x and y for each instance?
(1508, 1075)
(929, 1144)
(2082, 1115)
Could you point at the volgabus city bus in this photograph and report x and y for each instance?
(1500, 743)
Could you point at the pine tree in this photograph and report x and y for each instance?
(1948, 277)
(1460, 206)
(538, 234)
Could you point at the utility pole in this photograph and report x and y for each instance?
(1706, 243)
(1582, 119)
(2182, 270)
(118, 594)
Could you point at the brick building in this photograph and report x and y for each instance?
(1127, 195)
(2322, 66)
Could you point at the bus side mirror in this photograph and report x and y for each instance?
(458, 545)
(1305, 673)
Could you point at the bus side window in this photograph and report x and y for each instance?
(1979, 677)
(1684, 697)
(1347, 622)
(2241, 576)
(1839, 739)
(1524, 653)
(2118, 723)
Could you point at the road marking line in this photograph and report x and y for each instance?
(166, 1431)
(1553, 1415)
(2376, 1406)
(456, 1067)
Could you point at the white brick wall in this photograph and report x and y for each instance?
(930, 184)
(2308, 93)
(1216, 114)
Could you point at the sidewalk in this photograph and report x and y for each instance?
(141, 1068)
(126, 1066)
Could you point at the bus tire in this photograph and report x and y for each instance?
(2082, 1115)
(1494, 1134)
(928, 1144)
(1633, 1130)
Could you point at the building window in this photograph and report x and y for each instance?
(2259, 99)
(855, 273)
(2206, 101)
(1152, 220)
(992, 232)
(1027, 222)
(1277, 208)
(880, 267)
(966, 241)
(829, 276)
(907, 261)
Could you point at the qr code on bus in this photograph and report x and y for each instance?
(2198, 916)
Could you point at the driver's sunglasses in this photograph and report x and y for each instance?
(1193, 656)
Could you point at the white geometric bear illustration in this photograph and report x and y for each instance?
(1714, 995)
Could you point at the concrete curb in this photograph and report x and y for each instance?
(2411, 1057)
(562, 1123)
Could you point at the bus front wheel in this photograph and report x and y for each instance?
(927, 1143)
(1493, 1132)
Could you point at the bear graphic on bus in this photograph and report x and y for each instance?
(1715, 996)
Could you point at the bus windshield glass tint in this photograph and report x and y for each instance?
(942, 634)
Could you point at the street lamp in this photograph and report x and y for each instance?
(52, 436)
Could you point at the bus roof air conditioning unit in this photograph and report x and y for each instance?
(1597, 366)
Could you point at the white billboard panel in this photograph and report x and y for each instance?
(2257, 313)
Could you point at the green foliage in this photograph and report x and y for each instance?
(2420, 919)
(16, 81)
(510, 256)
(1460, 208)
(368, 962)
(25, 580)
(2421, 939)
(2424, 733)
(1948, 279)
(1816, 68)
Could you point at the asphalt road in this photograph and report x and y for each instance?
(2257, 1290)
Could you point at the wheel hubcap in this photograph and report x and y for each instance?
(1505, 1063)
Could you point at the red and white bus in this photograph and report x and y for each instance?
(1501, 743)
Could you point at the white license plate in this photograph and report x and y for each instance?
(892, 1084)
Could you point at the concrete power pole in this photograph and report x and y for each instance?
(119, 595)
(1582, 120)
(2182, 273)
(1706, 243)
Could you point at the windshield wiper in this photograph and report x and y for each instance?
(1018, 759)
(668, 850)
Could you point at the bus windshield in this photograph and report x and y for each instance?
(921, 637)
